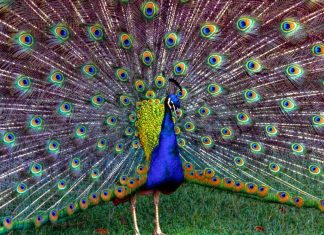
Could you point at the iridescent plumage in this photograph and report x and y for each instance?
(83, 88)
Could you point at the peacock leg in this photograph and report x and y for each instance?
(156, 198)
(133, 210)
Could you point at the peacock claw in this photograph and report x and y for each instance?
(158, 233)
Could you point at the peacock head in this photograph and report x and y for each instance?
(172, 101)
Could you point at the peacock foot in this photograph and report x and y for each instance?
(158, 232)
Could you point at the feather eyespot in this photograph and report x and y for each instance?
(38, 220)
(188, 166)
(119, 147)
(106, 195)
(227, 133)
(289, 27)
(70, 209)
(61, 33)
(89, 70)
(214, 181)
(9, 139)
(135, 144)
(243, 118)
(124, 100)
(147, 57)
(189, 126)
(150, 94)
(21, 188)
(298, 149)
(271, 130)
(94, 174)
(141, 169)
(120, 192)
(294, 72)
(207, 141)
(97, 100)
(53, 216)
(318, 49)
(177, 130)
(129, 131)
(238, 161)
(65, 109)
(75, 163)
(180, 68)
(183, 94)
(274, 167)
(288, 105)
(204, 111)
(57, 78)
(253, 66)
(61, 184)
(159, 81)
(123, 180)
(209, 173)
(181, 142)
(318, 120)
(245, 24)
(283, 197)
(209, 30)
(139, 85)
(298, 201)
(132, 117)
(94, 198)
(263, 191)
(53, 146)
(23, 83)
(83, 203)
(251, 96)
(321, 205)
(256, 147)
(171, 40)
(125, 41)
(122, 74)
(251, 188)
(149, 9)
(80, 132)
(8, 223)
(25, 40)
(215, 60)
(36, 169)
(111, 121)
(314, 169)
(101, 144)
(131, 183)
(96, 32)
(228, 183)
(214, 89)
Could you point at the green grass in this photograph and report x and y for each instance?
(194, 209)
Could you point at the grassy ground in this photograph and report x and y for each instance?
(194, 210)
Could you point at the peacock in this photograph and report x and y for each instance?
(104, 100)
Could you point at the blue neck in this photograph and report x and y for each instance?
(167, 129)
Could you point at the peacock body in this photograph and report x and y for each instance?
(90, 96)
